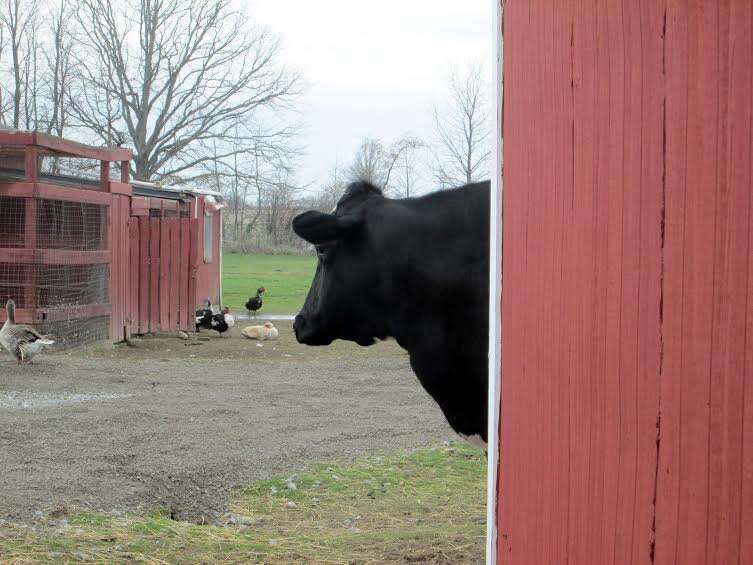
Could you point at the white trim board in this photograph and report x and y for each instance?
(495, 289)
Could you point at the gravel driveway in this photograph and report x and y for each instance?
(165, 425)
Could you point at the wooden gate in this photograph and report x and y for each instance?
(163, 273)
(626, 416)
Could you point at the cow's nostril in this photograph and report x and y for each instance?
(298, 325)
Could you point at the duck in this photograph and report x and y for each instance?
(254, 303)
(223, 321)
(204, 316)
(21, 341)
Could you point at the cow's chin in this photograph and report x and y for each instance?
(313, 339)
(318, 340)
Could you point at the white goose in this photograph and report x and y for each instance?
(24, 342)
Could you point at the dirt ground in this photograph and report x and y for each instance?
(174, 424)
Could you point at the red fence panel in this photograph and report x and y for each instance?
(164, 276)
(154, 270)
(626, 422)
(174, 231)
(186, 308)
(134, 275)
(144, 287)
(161, 250)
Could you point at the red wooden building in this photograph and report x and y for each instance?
(626, 390)
(87, 258)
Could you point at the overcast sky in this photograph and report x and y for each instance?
(375, 69)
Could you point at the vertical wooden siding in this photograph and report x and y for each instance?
(118, 241)
(160, 274)
(626, 421)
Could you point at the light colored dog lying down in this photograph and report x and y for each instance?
(267, 331)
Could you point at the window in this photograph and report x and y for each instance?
(208, 225)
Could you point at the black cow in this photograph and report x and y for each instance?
(416, 269)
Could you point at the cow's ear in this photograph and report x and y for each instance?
(317, 228)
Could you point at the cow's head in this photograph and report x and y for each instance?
(343, 301)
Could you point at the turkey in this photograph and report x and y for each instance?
(23, 342)
(223, 321)
(254, 304)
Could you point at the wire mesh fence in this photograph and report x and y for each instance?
(76, 226)
(12, 221)
(54, 264)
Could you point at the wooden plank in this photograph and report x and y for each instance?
(144, 286)
(31, 164)
(133, 275)
(17, 255)
(698, 283)
(186, 309)
(193, 262)
(72, 312)
(174, 229)
(614, 193)
(731, 253)
(104, 175)
(667, 517)
(59, 192)
(23, 316)
(139, 206)
(123, 188)
(532, 427)
(120, 247)
(154, 270)
(164, 276)
(64, 146)
(54, 256)
(31, 243)
(17, 189)
(114, 283)
(580, 388)
(579, 283)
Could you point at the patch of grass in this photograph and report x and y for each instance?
(286, 278)
(428, 505)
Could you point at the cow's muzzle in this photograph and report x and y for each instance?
(306, 332)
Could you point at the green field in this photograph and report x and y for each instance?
(286, 278)
(426, 506)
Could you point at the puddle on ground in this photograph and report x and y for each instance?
(30, 400)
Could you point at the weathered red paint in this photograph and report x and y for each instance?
(58, 145)
(32, 146)
(626, 418)
(165, 288)
(207, 274)
(119, 268)
(157, 272)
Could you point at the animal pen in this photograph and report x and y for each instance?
(88, 257)
(626, 388)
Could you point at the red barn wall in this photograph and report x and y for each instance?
(626, 418)
(207, 274)
(167, 276)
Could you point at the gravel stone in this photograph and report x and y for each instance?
(217, 420)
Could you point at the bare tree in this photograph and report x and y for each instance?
(331, 190)
(405, 156)
(370, 162)
(462, 130)
(18, 21)
(59, 69)
(376, 164)
(183, 74)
